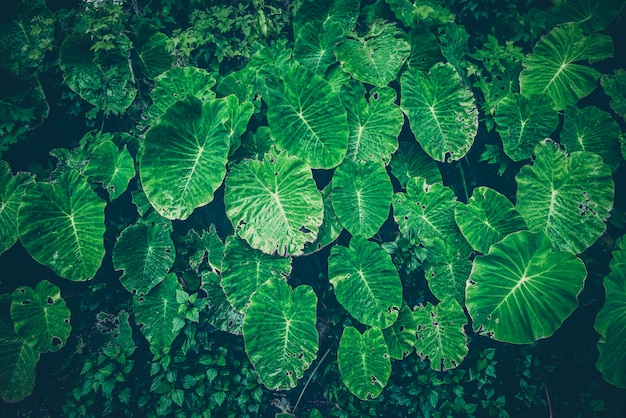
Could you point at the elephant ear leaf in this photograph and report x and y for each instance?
(112, 167)
(313, 47)
(41, 317)
(375, 58)
(305, 116)
(12, 188)
(440, 335)
(61, 225)
(274, 204)
(366, 282)
(554, 67)
(441, 111)
(614, 85)
(364, 362)
(522, 290)
(102, 78)
(569, 197)
(184, 157)
(18, 361)
(592, 15)
(279, 333)
(611, 322)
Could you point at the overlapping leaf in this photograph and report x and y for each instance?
(279, 333)
(12, 188)
(411, 161)
(366, 282)
(441, 111)
(400, 336)
(61, 225)
(568, 197)
(522, 290)
(112, 167)
(274, 204)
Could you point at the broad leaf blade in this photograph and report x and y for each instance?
(12, 188)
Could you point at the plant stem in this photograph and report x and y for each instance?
(463, 180)
(308, 381)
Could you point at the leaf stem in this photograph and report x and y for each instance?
(308, 381)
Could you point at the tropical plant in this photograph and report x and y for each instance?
(306, 178)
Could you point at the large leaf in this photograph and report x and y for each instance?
(364, 362)
(103, 79)
(145, 253)
(112, 167)
(361, 196)
(592, 129)
(151, 47)
(17, 367)
(41, 317)
(239, 115)
(61, 225)
(374, 123)
(411, 161)
(523, 122)
(375, 58)
(611, 322)
(326, 12)
(448, 266)
(330, 227)
(553, 67)
(221, 315)
(314, 47)
(487, 218)
(274, 204)
(245, 269)
(592, 15)
(425, 211)
(205, 248)
(366, 282)
(306, 117)
(440, 334)
(425, 49)
(400, 336)
(568, 197)
(441, 111)
(522, 291)
(279, 333)
(184, 157)
(175, 85)
(157, 314)
(12, 188)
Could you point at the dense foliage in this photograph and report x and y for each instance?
(313, 208)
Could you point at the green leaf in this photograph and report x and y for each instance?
(364, 362)
(61, 225)
(592, 15)
(568, 197)
(425, 211)
(440, 335)
(103, 79)
(245, 269)
(191, 141)
(151, 47)
(522, 290)
(614, 86)
(400, 336)
(157, 312)
(425, 49)
(325, 12)
(611, 321)
(441, 111)
(365, 282)
(41, 317)
(523, 122)
(205, 246)
(314, 47)
(448, 266)
(306, 117)
(175, 85)
(145, 253)
(112, 167)
(330, 227)
(487, 218)
(594, 130)
(12, 188)
(361, 196)
(374, 123)
(411, 161)
(552, 68)
(222, 315)
(239, 115)
(274, 204)
(279, 333)
(375, 58)
(17, 367)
